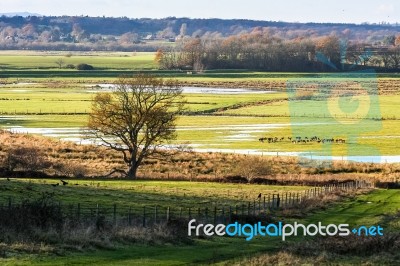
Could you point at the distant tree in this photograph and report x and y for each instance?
(252, 167)
(137, 118)
(329, 47)
(158, 57)
(385, 59)
(397, 41)
(192, 52)
(389, 40)
(129, 38)
(183, 30)
(394, 56)
(168, 32)
(60, 62)
(78, 33)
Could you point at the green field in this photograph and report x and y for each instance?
(366, 210)
(64, 97)
(139, 193)
(47, 60)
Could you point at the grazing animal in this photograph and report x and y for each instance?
(64, 182)
(54, 185)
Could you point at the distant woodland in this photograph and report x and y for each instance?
(198, 44)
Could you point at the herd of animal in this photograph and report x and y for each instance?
(297, 140)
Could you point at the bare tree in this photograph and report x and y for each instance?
(252, 167)
(60, 62)
(137, 118)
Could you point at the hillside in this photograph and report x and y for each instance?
(106, 33)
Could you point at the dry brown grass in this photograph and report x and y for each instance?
(73, 160)
(320, 202)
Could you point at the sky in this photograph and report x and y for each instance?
(343, 11)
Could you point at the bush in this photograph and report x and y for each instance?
(26, 159)
(84, 67)
(252, 167)
(70, 66)
(42, 213)
(70, 169)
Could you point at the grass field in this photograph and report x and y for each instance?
(369, 209)
(53, 97)
(47, 60)
(137, 194)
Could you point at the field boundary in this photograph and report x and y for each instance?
(150, 215)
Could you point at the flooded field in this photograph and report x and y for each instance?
(224, 137)
(189, 90)
(226, 120)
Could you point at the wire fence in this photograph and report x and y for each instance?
(150, 215)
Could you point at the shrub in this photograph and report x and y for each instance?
(70, 66)
(70, 169)
(26, 158)
(84, 67)
(252, 167)
(42, 213)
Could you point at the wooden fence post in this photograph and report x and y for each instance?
(278, 201)
(215, 215)
(286, 201)
(264, 204)
(144, 216)
(273, 201)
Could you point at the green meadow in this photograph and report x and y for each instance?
(369, 209)
(174, 194)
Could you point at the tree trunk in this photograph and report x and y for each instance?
(132, 172)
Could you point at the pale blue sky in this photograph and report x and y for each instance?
(353, 11)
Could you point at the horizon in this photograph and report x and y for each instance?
(27, 13)
(303, 11)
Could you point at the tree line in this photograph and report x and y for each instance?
(259, 50)
(125, 34)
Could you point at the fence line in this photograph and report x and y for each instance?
(148, 215)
